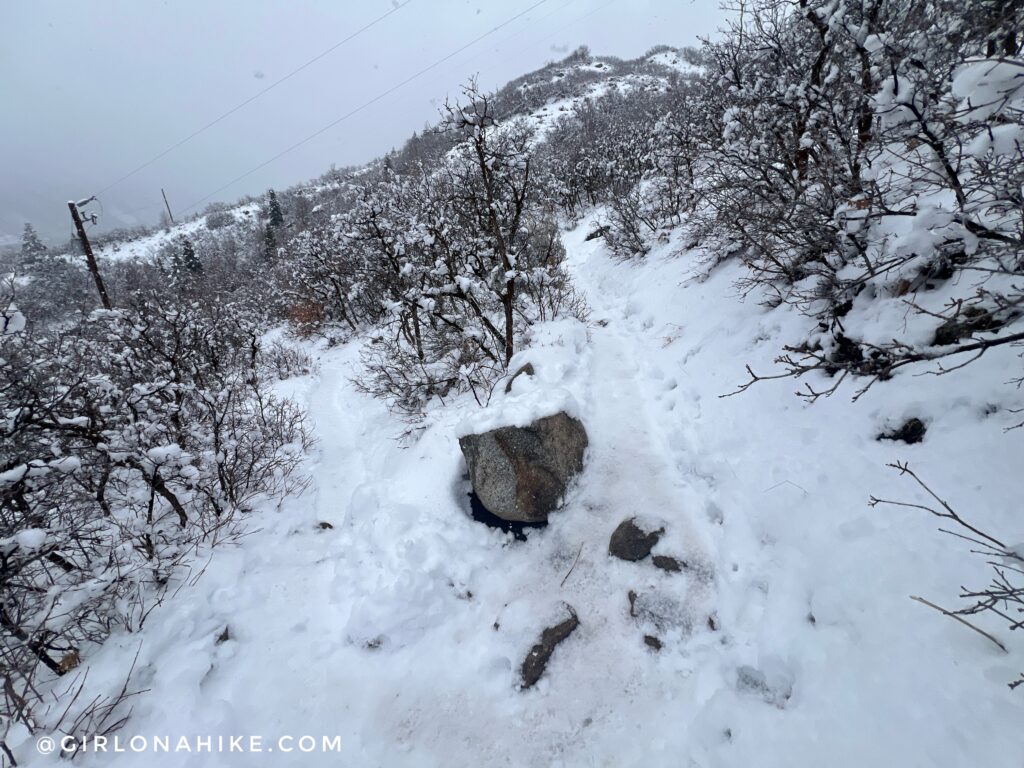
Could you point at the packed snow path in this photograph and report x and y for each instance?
(788, 640)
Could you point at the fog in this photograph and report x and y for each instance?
(91, 91)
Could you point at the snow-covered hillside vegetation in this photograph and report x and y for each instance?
(777, 279)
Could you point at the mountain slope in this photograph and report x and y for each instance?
(788, 637)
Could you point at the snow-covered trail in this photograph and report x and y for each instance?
(821, 658)
(402, 627)
(788, 640)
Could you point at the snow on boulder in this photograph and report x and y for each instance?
(525, 446)
(520, 473)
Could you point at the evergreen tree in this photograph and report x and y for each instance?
(32, 247)
(276, 216)
(185, 263)
(270, 242)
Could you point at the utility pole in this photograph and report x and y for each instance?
(167, 204)
(90, 259)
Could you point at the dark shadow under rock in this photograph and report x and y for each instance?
(912, 431)
(537, 659)
(517, 529)
(630, 542)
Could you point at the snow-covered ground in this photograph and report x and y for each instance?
(673, 60)
(789, 640)
(145, 247)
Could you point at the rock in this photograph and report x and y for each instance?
(845, 354)
(521, 473)
(911, 432)
(948, 333)
(970, 320)
(525, 370)
(537, 659)
(669, 564)
(652, 642)
(632, 543)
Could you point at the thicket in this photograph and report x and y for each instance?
(133, 439)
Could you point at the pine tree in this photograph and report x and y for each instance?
(185, 262)
(32, 247)
(276, 216)
(270, 242)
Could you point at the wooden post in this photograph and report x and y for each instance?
(167, 204)
(90, 259)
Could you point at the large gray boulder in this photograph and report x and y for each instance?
(521, 473)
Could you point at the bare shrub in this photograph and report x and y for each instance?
(1003, 597)
(132, 439)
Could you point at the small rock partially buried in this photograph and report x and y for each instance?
(537, 659)
(912, 431)
(652, 642)
(630, 542)
(970, 320)
(667, 563)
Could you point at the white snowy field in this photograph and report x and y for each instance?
(790, 639)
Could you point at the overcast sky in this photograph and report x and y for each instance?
(91, 90)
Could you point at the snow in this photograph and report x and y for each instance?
(673, 60)
(544, 118)
(162, 454)
(66, 464)
(14, 475)
(146, 247)
(30, 538)
(987, 86)
(11, 320)
(559, 352)
(788, 641)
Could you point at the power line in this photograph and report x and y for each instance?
(255, 96)
(366, 104)
(535, 43)
(499, 44)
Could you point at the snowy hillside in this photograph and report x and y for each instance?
(147, 247)
(375, 608)
(652, 412)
